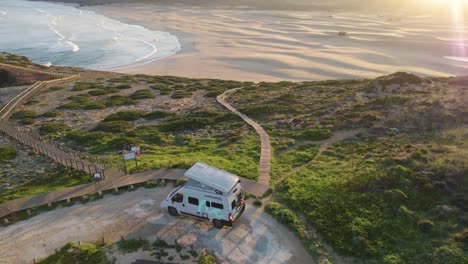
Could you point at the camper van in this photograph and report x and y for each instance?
(209, 194)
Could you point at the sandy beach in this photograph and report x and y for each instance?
(259, 45)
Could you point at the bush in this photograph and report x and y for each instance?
(22, 114)
(89, 138)
(27, 121)
(52, 113)
(53, 128)
(314, 134)
(77, 254)
(123, 86)
(285, 216)
(206, 259)
(114, 126)
(7, 153)
(425, 226)
(158, 114)
(142, 94)
(130, 115)
(119, 100)
(181, 94)
(257, 202)
(132, 245)
(123, 143)
(462, 236)
(185, 123)
(107, 90)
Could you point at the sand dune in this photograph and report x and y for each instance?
(258, 45)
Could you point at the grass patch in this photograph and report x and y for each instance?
(25, 114)
(7, 153)
(74, 253)
(130, 115)
(114, 126)
(119, 100)
(181, 94)
(132, 245)
(50, 181)
(52, 113)
(53, 128)
(159, 114)
(142, 94)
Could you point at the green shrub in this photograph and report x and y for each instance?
(27, 121)
(185, 123)
(73, 253)
(83, 86)
(285, 216)
(52, 113)
(32, 102)
(425, 226)
(53, 128)
(448, 254)
(462, 236)
(123, 86)
(142, 94)
(7, 153)
(314, 134)
(158, 114)
(206, 259)
(56, 88)
(181, 94)
(132, 245)
(257, 202)
(88, 139)
(114, 126)
(129, 115)
(94, 105)
(163, 90)
(22, 114)
(123, 143)
(119, 100)
(107, 90)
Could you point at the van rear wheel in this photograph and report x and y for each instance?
(173, 211)
(218, 224)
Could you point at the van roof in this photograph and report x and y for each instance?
(212, 177)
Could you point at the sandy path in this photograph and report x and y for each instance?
(280, 45)
(256, 237)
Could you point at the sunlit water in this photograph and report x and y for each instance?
(65, 35)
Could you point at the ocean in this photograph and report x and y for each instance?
(64, 35)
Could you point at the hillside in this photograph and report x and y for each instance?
(393, 191)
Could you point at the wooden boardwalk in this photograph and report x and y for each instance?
(114, 178)
(265, 152)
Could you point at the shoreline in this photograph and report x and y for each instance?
(259, 45)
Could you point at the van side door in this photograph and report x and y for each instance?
(192, 207)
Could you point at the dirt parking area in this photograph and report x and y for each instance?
(255, 238)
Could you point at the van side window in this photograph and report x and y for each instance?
(217, 205)
(193, 201)
(208, 204)
(178, 198)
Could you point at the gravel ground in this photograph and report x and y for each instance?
(255, 238)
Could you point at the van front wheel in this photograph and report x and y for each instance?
(218, 224)
(173, 211)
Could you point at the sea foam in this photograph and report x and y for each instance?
(65, 35)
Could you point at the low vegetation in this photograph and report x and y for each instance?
(51, 180)
(78, 253)
(7, 153)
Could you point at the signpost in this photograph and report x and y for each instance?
(132, 155)
(97, 176)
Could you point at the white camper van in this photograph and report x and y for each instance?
(209, 194)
